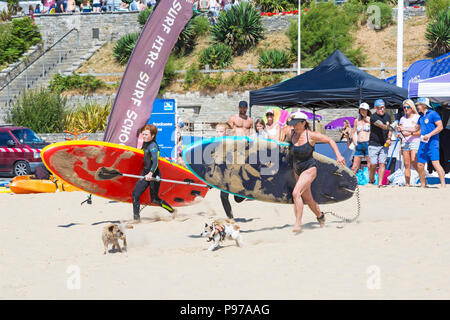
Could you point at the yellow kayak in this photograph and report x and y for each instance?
(26, 184)
(5, 190)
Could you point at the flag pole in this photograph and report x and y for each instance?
(400, 44)
(299, 62)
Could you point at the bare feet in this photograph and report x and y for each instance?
(297, 229)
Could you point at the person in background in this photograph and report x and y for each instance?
(124, 6)
(142, 5)
(151, 3)
(346, 133)
(228, 5)
(96, 6)
(134, 5)
(31, 11)
(430, 125)
(410, 137)
(71, 5)
(85, 6)
(38, 8)
(379, 141)
(361, 129)
(260, 130)
(59, 7)
(272, 128)
(240, 122)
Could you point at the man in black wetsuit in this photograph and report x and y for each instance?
(150, 170)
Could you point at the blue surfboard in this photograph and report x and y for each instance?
(262, 169)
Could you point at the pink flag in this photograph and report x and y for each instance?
(142, 78)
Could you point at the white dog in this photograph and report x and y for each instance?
(220, 230)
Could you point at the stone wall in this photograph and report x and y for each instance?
(58, 137)
(111, 26)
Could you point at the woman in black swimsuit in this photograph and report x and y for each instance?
(302, 146)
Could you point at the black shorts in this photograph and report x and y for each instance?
(301, 166)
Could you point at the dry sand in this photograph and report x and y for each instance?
(399, 249)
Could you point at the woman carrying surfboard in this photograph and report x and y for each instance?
(302, 141)
(150, 170)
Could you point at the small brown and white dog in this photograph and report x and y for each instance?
(220, 230)
(112, 234)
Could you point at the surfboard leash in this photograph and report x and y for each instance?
(358, 210)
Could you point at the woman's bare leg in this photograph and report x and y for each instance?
(356, 164)
(303, 183)
(407, 162)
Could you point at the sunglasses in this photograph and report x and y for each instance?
(406, 107)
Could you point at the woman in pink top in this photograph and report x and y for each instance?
(410, 137)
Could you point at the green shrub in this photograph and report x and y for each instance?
(169, 74)
(90, 116)
(248, 78)
(217, 56)
(16, 37)
(354, 9)
(186, 40)
(143, 16)
(192, 76)
(276, 5)
(87, 84)
(240, 28)
(325, 28)
(124, 47)
(435, 7)
(201, 26)
(274, 59)
(438, 33)
(386, 15)
(211, 83)
(41, 110)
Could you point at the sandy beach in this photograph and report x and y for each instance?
(51, 248)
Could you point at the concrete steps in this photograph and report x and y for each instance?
(64, 59)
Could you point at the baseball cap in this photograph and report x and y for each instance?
(379, 103)
(364, 106)
(424, 101)
(296, 117)
(270, 111)
(243, 104)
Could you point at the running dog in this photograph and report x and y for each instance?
(112, 234)
(220, 230)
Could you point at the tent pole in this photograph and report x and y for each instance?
(314, 118)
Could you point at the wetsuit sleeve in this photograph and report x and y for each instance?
(154, 152)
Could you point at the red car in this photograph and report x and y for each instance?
(20, 150)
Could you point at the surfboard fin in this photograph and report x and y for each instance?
(328, 196)
(347, 189)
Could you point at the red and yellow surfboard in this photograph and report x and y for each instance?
(77, 162)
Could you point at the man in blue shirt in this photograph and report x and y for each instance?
(430, 125)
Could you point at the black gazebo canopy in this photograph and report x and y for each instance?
(334, 83)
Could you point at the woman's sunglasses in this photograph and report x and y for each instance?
(406, 107)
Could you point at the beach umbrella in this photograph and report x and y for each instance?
(339, 123)
(311, 115)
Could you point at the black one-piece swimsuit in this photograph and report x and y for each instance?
(303, 156)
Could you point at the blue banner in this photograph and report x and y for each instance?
(163, 116)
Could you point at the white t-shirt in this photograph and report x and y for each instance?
(410, 123)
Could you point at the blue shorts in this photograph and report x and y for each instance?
(428, 151)
(362, 149)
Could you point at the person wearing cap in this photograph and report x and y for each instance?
(302, 141)
(410, 136)
(241, 123)
(361, 129)
(273, 129)
(430, 124)
(379, 141)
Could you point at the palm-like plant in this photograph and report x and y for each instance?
(91, 117)
(218, 55)
(274, 59)
(143, 16)
(438, 32)
(124, 47)
(240, 28)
